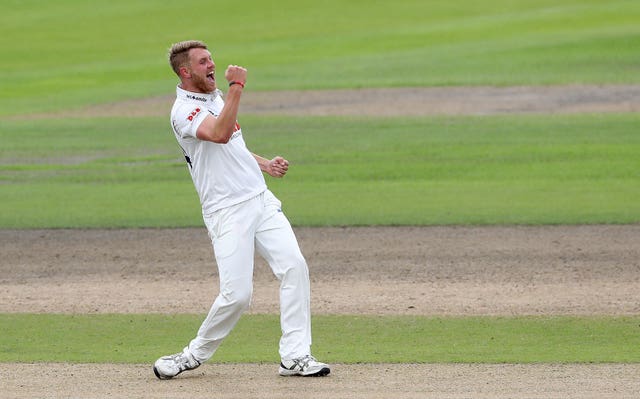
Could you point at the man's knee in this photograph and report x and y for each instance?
(297, 265)
(237, 296)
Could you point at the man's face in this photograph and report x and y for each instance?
(202, 69)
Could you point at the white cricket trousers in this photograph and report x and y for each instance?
(236, 232)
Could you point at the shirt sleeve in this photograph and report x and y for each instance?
(188, 118)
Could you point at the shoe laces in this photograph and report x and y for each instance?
(303, 362)
(183, 360)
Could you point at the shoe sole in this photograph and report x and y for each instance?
(160, 376)
(290, 373)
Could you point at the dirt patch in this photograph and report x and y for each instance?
(482, 100)
(385, 270)
(367, 381)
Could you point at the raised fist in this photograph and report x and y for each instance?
(235, 73)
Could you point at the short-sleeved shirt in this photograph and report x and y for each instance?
(223, 174)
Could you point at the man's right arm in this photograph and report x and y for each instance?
(220, 129)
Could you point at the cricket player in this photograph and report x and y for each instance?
(240, 213)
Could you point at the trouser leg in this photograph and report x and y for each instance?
(276, 242)
(232, 234)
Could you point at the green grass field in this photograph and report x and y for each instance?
(127, 172)
(117, 49)
(343, 339)
(345, 171)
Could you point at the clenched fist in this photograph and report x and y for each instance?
(235, 73)
(277, 167)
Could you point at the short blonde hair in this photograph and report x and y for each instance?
(179, 53)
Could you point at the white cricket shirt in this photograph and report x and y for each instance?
(223, 174)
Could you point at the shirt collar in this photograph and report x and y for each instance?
(203, 97)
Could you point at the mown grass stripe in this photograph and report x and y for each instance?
(136, 338)
(129, 172)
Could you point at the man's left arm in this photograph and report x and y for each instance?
(276, 167)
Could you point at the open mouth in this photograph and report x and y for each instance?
(211, 76)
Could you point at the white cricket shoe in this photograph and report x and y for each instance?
(306, 366)
(170, 366)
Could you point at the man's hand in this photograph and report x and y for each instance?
(277, 167)
(235, 73)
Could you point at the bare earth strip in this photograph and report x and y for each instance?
(549, 270)
(360, 381)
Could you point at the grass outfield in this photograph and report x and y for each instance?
(120, 338)
(345, 171)
(73, 53)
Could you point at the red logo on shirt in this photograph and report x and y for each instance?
(193, 114)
